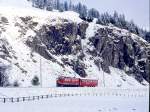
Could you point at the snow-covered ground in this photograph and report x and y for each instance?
(107, 100)
(80, 104)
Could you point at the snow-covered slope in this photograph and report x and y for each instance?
(15, 3)
(24, 68)
(21, 25)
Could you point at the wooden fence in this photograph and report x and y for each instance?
(61, 94)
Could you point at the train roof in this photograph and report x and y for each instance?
(77, 78)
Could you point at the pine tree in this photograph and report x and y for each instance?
(57, 4)
(35, 81)
(93, 13)
(122, 21)
(49, 5)
(39, 3)
(85, 14)
(116, 19)
(147, 36)
(66, 7)
(84, 11)
(62, 7)
(16, 84)
(132, 27)
(78, 8)
(70, 5)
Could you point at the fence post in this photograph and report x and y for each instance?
(51, 95)
(12, 99)
(17, 99)
(65, 95)
(60, 95)
(4, 100)
(23, 99)
(29, 98)
(38, 97)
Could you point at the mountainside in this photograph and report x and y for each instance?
(39, 43)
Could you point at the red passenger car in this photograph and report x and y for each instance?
(67, 81)
(75, 82)
(88, 83)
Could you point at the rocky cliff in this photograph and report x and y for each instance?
(114, 47)
(31, 45)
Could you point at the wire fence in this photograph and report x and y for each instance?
(70, 93)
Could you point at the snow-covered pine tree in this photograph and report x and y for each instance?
(49, 5)
(147, 36)
(57, 4)
(35, 81)
(116, 18)
(85, 14)
(93, 13)
(70, 5)
(39, 3)
(66, 7)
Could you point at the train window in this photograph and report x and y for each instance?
(67, 79)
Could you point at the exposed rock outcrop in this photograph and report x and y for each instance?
(123, 52)
(60, 39)
(70, 48)
(116, 47)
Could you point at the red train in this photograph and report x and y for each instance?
(75, 82)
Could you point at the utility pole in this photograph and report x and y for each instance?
(40, 71)
(103, 73)
(103, 79)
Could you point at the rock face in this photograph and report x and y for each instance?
(5, 54)
(71, 48)
(116, 48)
(123, 52)
(61, 39)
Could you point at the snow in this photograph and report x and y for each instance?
(79, 104)
(125, 32)
(38, 15)
(90, 32)
(91, 29)
(16, 40)
(137, 38)
(107, 100)
(117, 78)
